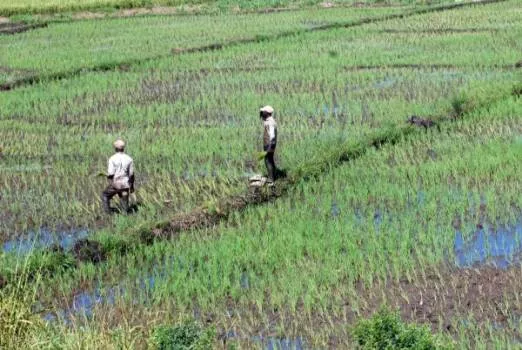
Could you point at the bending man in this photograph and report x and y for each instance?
(120, 175)
(269, 139)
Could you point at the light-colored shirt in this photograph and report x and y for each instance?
(270, 135)
(121, 166)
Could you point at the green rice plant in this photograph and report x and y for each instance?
(371, 206)
(17, 321)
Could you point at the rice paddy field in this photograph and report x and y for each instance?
(422, 216)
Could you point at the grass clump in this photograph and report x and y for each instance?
(188, 335)
(386, 330)
(17, 321)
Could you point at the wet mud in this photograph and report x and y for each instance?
(212, 215)
(86, 250)
(446, 296)
(15, 28)
(422, 122)
(443, 300)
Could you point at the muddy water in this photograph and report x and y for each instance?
(44, 238)
(85, 301)
(499, 246)
(275, 343)
(269, 342)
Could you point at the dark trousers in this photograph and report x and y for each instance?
(270, 165)
(110, 192)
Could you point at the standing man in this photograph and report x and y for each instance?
(120, 175)
(269, 139)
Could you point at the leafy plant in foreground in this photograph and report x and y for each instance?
(188, 335)
(17, 321)
(386, 330)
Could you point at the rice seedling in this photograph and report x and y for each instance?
(24, 7)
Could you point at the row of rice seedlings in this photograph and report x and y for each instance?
(181, 7)
(336, 110)
(63, 47)
(491, 18)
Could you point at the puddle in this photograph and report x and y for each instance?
(276, 343)
(499, 246)
(386, 83)
(44, 238)
(269, 342)
(244, 281)
(335, 210)
(84, 302)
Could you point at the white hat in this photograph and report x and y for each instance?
(119, 144)
(267, 109)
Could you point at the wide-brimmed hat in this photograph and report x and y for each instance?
(267, 109)
(119, 144)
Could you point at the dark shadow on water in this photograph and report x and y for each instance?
(45, 238)
(499, 246)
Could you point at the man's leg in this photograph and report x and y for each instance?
(124, 200)
(107, 195)
(270, 165)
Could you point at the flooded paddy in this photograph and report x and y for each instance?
(496, 245)
(43, 239)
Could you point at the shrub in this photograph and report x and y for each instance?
(188, 335)
(385, 330)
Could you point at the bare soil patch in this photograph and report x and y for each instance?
(14, 28)
(421, 122)
(480, 295)
(86, 250)
(138, 11)
(360, 4)
(442, 300)
(211, 215)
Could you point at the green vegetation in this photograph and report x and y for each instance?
(369, 210)
(10, 8)
(385, 330)
(74, 46)
(188, 335)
